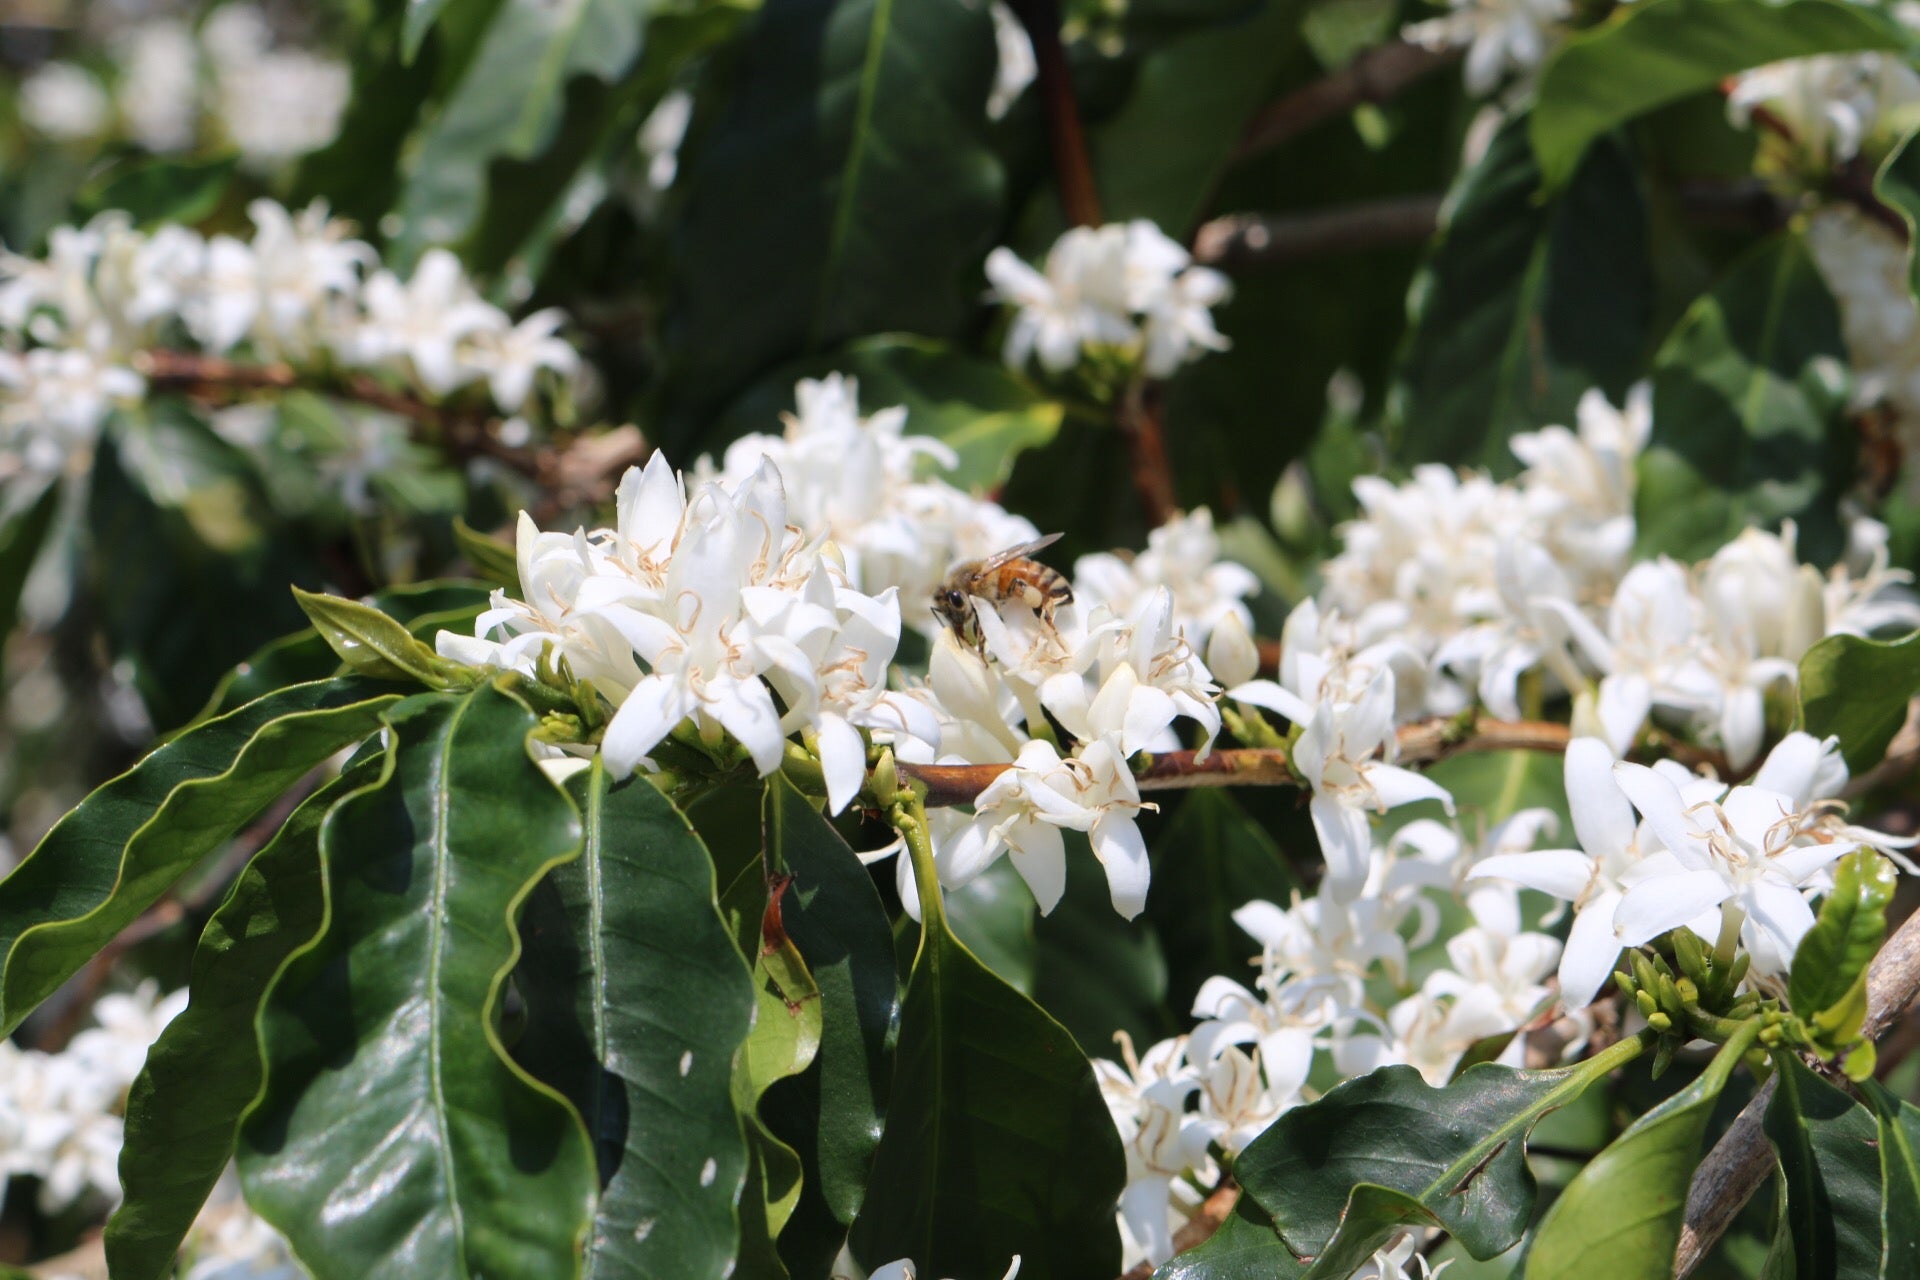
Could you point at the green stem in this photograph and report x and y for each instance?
(910, 819)
(1615, 1056)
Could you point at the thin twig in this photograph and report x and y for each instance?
(1740, 1162)
(1073, 169)
(1241, 241)
(1139, 419)
(1197, 1230)
(1376, 75)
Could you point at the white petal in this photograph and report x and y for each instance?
(843, 759)
(1602, 818)
(651, 711)
(1346, 845)
(1654, 906)
(1659, 802)
(1560, 873)
(1122, 851)
(1591, 952)
(1040, 856)
(745, 708)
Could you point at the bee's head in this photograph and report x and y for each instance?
(955, 609)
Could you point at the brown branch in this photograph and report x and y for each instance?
(1072, 167)
(1197, 1230)
(1741, 1161)
(1244, 241)
(1139, 419)
(1376, 75)
(1423, 743)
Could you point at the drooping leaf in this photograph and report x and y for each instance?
(114, 855)
(1827, 986)
(1858, 689)
(395, 1136)
(1625, 1204)
(1524, 305)
(20, 538)
(997, 1141)
(1828, 1148)
(184, 1110)
(1749, 404)
(636, 1002)
(1456, 1153)
(975, 407)
(1899, 1139)
(1648, 55)
(1209, 860)
(845, 190)
(832, 1113)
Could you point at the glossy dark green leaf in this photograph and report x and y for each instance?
(1523, 305)
(974, 406)
(1827, 986)
(394, 1135)
(1648, 55)
(1095, 972)
(1211, 859)
(1749, 421)
(1160, 156)
(159, 189)
(20, 538)
(1859, 689)
(846, 189)
(370, 642)
(994, 915)
(787, 1025)
(1829, 1155)
(636, 1000)
(1457, 1152)
(508, 104)
(114, 855)
(1899, 1138)
(184, 1110)
(1625, 1204)
(1246, 1247)
(997, 1140)
(832, 1113)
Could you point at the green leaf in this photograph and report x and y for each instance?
(1648, 55)
(636, 1002)
(975, 407)
(997, 1140)
(491, 558)
(161, 189)
(114, 855)
(1749, 401)
(370, 642)
(1160, 156)
(394, 1135)
(1457, 1153)
(419, 20)
(1211, 859)
(994, 915)
(1827, 988)
(508, 103)
(20, 539)
(1523, 305)
(1897, 186)
(1094, 971)
(1828, 1154)
(1625, 1205)
(832, 1113)
(1244, 1248)
(201, 1076)
(844, 191)
(1858, 689)
(1899, 1138)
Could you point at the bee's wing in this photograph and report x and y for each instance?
(1020, 552)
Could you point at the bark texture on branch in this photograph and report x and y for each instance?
(1374, 76)
(1740, 1162)
(1248, 241)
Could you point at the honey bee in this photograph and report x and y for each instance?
(1007, 577)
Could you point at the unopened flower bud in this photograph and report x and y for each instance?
(1231, 654)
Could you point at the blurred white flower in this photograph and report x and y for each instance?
(1502, 36)
(65, 102)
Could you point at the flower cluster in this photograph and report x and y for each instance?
(1501, 36)
(1830, 107)
(763, 599)
(1124, 290)
(1325, 965)
(1466, 587)
(75, 326)
(1865, 266)
(171, 87)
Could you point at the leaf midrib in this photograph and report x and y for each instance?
(877, 29)
(442, 821)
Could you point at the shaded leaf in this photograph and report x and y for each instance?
(847, 189)
(1246, 1247)
(1094, 971)
(1749, 403)
(395, 1136)
(20, 539)
(1858, 689)
(1523, 305)
(114, 855)
(1648, 55)
(1828, 1147)
(636, 1002)
(201, 1076)
(160, 189)
(1899, 1137)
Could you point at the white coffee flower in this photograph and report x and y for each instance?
(1503, 36)
(64, 102)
